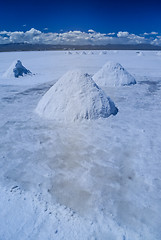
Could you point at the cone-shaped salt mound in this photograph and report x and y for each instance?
(75, 96)
(140, 54)
(113, 75)
(16, 70)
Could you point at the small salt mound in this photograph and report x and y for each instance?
(113, 75)
(20, 70)
(75, 96)
(140, 53)
(68, 53)
(83, 53)
(16, 70)
(90, 53)
(158, 53)
(102, 53)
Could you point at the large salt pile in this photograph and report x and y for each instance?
(75, 96)
(112, 75)
(16, 70)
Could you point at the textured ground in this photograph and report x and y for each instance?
(90, 180)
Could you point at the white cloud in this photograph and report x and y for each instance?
(157, 41)
(151, 33)
(111, 34)
(91, 31)
(154, 33)
(91, 37)
(122, 34)
(33, 31)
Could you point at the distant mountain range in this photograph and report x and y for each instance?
(12, 47)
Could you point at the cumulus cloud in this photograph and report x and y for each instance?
(111, 34)
(151, 33)
(122, 34)
(91, 37)
(91, 31)
(154, 33)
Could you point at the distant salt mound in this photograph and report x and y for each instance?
(16, 70)
(158, 53)
(75, 96)
(68, 53)
(102, 53)
(83, 53)
(90, 53)
(140, 54)
(113, 75)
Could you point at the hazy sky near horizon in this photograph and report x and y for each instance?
(60, 16)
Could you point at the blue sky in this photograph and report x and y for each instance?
(102, 16)
(130, 21)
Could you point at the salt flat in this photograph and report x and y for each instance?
(91, 179)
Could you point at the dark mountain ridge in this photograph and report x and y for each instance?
(11, 47)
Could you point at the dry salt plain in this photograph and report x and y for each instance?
(87, 178)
